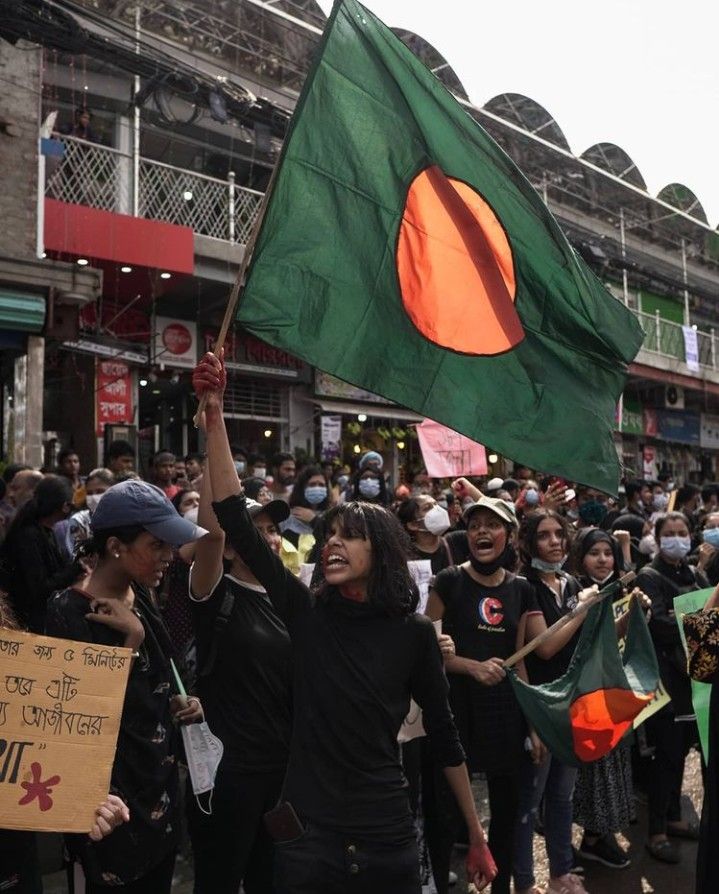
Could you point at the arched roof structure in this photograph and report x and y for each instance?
(434, 61)
(684, 199)
(615, 160)
(529, 115)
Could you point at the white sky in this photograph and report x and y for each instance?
(643, 74)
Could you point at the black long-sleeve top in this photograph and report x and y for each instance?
(355, 670)
(662, 583)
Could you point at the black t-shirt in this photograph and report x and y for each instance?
(483, 622)
(541, 670)
(355, 670)
(247, 696)
(439, 559)
(144, 773)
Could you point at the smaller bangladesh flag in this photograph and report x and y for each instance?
(403, 251)
(584, 714)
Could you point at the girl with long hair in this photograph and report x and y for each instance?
(359, 653)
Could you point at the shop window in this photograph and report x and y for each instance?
(254, 398)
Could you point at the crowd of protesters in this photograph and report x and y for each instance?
(283, 594)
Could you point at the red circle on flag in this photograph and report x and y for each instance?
(177, 338)
(455, 267)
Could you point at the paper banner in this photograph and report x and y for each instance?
(60, 707)
(661, 697)
(701, 692)
(447, 454)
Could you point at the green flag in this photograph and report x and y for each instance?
(586, 712)
(404, 252)
(701, 692)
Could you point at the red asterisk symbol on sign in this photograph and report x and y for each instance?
(38, 789)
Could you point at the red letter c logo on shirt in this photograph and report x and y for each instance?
(490, 611)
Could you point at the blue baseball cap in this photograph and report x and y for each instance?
(371, 457)
(140, 503)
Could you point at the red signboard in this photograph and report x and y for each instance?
(113, 390)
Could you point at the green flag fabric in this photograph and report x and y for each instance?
(585, 713)
(404, 252)
(701, 692)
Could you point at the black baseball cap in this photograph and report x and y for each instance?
(277, 510)
(140, 503)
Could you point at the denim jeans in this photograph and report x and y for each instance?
(555, 781)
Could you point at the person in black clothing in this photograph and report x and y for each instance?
(672, 730)
(33, 566)
(544, 544)
(687, 502)
(245, 683)
(426, 522)
(483, 607)
(134, 529)
(359, 654)
(308, 500)
(706, 557)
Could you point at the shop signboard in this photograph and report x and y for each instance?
(245, 353)
(331, 437)
(651, 423)
(629, 418)
(113, 393)
(175, 342)
(327, 385)
(709, 432)
(679, 425)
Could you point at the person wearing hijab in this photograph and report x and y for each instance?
(603, 794)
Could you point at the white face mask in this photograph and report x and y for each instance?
(259, 472)
(91, 501)
(436, 521)
(191, 514)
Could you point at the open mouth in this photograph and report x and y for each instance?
(483, 543)
(334, 560)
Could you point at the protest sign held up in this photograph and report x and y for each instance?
(60, 707)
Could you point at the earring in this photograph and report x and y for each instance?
(117, 555)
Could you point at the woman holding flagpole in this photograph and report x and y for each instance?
(360, 653)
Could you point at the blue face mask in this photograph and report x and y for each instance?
(315, 494)
(548, 567)
(711, 536)
(369, 487)
(675, 547)
(531, 497)
(343, 480)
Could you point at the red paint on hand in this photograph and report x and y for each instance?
(38, 789)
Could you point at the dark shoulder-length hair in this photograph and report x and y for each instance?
(50, 495)
(297, 497)
(529, 530)
(390, 586)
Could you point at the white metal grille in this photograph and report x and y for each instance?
(254, 399)
(89, 174)
(94, 175)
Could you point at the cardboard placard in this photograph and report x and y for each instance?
(447, 454)
(60, 708)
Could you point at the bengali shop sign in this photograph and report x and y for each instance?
(60, 707)
(113, 392)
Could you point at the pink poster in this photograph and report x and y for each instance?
(448, 454)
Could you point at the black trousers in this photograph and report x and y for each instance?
(443, 823)
(671, 741)
(324, 862)
(232, 847)
(157, 881)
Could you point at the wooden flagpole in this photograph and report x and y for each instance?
(233, 299)
(580, 609)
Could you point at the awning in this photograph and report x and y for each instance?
(376, 411)
(21, 311)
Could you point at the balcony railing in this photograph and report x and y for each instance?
(102, 177)
(665, 339)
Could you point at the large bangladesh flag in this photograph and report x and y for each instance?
(585, 713)
(404, 252)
